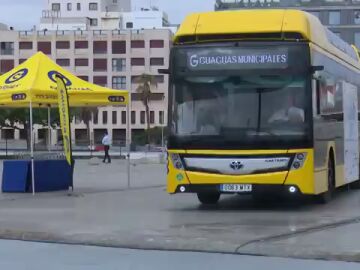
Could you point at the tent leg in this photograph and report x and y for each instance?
(128, 132)
(32, 150)
(49, 129)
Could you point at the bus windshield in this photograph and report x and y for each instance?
(262, 110)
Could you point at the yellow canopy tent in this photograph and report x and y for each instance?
(33, 84)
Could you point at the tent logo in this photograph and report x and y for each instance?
(52, 76)
(18, 75)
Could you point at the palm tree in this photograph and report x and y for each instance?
(86, 114)
(146, 83)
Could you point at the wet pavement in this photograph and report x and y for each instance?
(41, 256)
(146, 217)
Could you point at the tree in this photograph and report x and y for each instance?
(13, 118)
(86, 115)
(146, 82)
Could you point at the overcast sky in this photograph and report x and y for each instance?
(23, 14)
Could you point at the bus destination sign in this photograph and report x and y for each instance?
(239, 58)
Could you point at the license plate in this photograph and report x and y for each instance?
(236, 188)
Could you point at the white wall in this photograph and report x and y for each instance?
(63, 27)
(143, 19)
(84, 12)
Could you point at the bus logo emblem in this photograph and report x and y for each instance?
(236, 165)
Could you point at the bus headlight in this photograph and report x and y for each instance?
(299, 161)
(176, 161)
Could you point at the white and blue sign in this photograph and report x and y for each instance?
(209, 59)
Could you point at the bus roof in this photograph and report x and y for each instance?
(284, 24)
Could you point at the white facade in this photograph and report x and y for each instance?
(144, 19)
(3, 26)
(109, 58)
(83, 14)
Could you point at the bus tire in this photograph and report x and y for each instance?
(208, 198)
(327, 196)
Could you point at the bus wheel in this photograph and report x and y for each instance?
(326, 196)
(208, 198)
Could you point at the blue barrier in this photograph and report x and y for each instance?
(50, 175)
(15, 176)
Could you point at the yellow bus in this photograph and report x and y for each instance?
(261, 102)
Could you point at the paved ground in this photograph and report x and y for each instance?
(41, 256)
(102, 212)
(94, 176)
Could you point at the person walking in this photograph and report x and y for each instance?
(106, 143)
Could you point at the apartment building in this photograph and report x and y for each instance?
(83, 14)
(341, 16)
(109, 58)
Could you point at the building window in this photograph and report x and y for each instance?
(93, 22)
(63, 62)
(123, 117)
(45, 47)
(357, 39)
(84, 78)
(334, 17)
(138, 61)
(80, 44)
(137, 44)
(156, 43)
(81, 62)
(152, 117)
(161, 117)
(62, 45)
(25, 45)
(338, 34)
(119, 47)
(315, 13)
(159, 78)
(55, 6)
(100, 64)
(133, 117)
(357, 16)
(93, 6)
(114, 1)
(118, 64)
(7, 48)
(96, 118)
(104, 117)
(142, 117)
(100, 80)
(100, 47)
(69, 6)
(114, 117)
(6, 65)
(129, 25)
(78, 6)
(22, 61)
(119, 82)
(156, 61)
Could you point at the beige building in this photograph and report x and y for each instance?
(111, 58)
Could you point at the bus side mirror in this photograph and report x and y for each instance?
(316, 71)
(164, 71)
(313, 69)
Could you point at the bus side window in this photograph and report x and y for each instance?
(317, 87)
(316, 97)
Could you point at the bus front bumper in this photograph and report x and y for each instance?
(256, 188)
